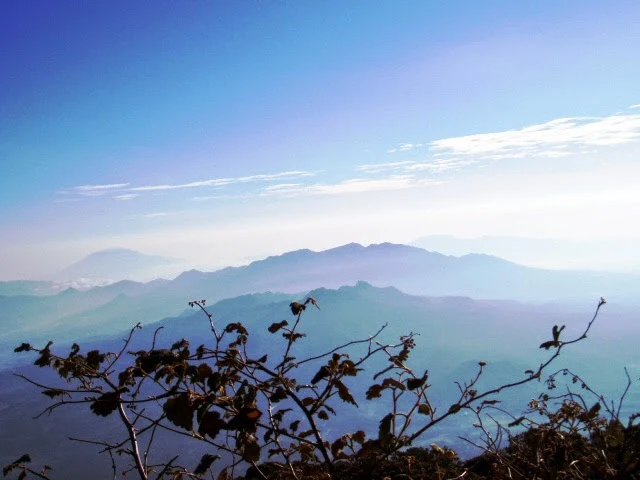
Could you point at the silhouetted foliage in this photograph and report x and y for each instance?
(266, 419)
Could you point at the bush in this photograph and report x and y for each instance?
(262, 417)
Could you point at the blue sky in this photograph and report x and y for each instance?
(224, 131)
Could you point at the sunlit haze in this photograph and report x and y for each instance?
(223, 132)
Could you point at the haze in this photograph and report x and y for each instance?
(224, 132)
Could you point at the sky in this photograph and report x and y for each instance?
(223, 131)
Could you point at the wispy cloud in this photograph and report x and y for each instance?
(94, 188)
(637, 105)
(383, 167)
(276, 176)
(440, 166)
(219, 182)
(435, 166)
(405, 147)
(557, 138)
(156, 215)
(205, 183)
(126, 196)
(352, 186)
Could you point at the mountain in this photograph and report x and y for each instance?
(453, 334)
(608, 254)
(411, 269)
(114, 264)
(106, 309)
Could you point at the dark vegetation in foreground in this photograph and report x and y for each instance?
(278, 414)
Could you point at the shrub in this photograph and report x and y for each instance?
(262, 417)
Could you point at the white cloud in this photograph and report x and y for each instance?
(381, 167)
(405, 147)
(127, 196)
(155, 215)
(557, 138)
(276, 176)
(637, 105)
(356, 185)
(219, 182)
(92, 188)
(205, 183)
(439, 166)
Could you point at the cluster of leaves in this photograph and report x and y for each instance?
(266, 420)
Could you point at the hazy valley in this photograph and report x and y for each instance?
(463, 310)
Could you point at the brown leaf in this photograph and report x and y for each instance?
(322, 373)
(251, 450)
(211, 424)
(54, 392)
(297, 308)
(375, 391)
(344, 394)
(279, 394)
(245, 419)
(23, 347)
(313, 302)
(105, 404)
(390, 382)
(179, 410)
(551, 343)
(359, 437)
(274, 327)
(205, 463)
(384, 430)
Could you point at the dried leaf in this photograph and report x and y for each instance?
(54, 392)
(211, 424)
(251, 450)
(297, 308)
(205, 463)
(237, 327)
(245, 419)
(313, 302)
(322, 373)
(359, 437)
(344, 394)
(279, 394)
(384, 430)
(415, 383)
(547, 345)
(375, 391)
(179, 410)
(390, 382)
(274, 327)
(105, 404)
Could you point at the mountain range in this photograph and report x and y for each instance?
(74, 314)
(453, 334)
(604, 254)
(358, 288)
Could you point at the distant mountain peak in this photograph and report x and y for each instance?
(113, 264)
